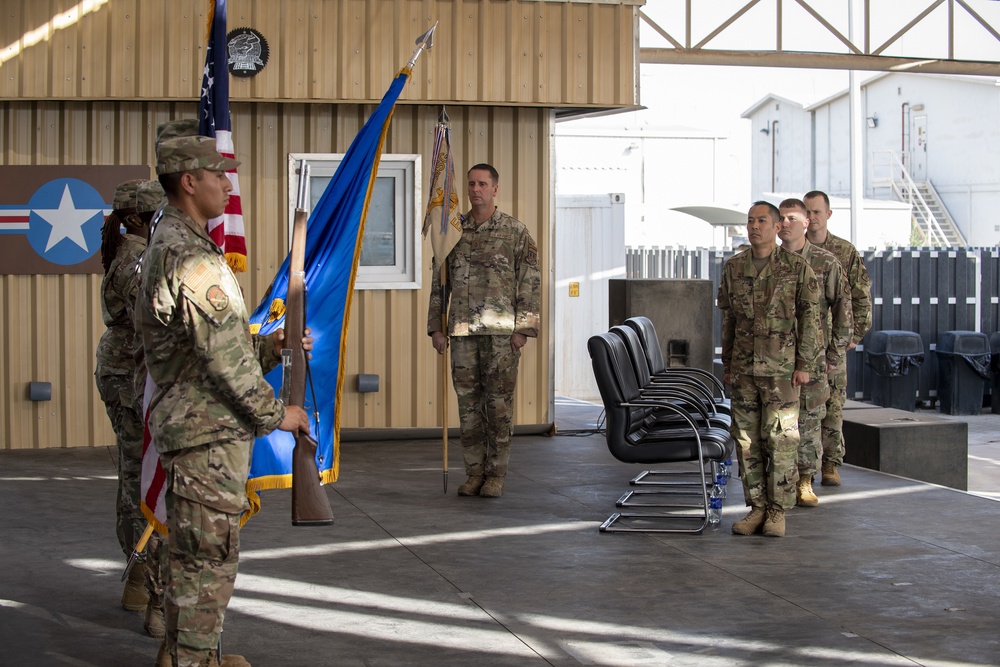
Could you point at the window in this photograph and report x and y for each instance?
(390, 251)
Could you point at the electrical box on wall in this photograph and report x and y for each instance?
(39, 391)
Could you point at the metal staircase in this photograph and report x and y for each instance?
(931, 219)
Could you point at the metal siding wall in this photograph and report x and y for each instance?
(52, 323)
(488, 51)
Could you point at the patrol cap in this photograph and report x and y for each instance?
(174, 156)
(125, 194)
(180, 127)
(149, 196)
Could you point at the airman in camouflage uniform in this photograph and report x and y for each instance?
(149, 198)
(493, 289)
(211, 397)
(769, 299)
(835, 324)
(818, 207)
(116, 368)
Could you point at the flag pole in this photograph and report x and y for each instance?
(425, 41)
(137, 551)
(443, 118)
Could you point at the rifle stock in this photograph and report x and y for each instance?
(310, 505)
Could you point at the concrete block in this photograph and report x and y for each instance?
(914, 445)
(681, 310)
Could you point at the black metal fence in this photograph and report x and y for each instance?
(925, 290)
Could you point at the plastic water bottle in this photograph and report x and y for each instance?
(720, 483)
(714, 507)
(727, 465)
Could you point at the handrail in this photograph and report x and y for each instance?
(904, 188)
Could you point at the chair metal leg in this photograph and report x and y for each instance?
(688, 478)
(611, 524)
(629, 499)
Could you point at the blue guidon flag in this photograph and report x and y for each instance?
(51, 216)
(333, 248)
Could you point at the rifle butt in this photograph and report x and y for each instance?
(310, 505)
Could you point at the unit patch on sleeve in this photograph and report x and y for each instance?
(217, 298)
(203, 288)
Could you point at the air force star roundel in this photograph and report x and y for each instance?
(58, 228)
(64, 225)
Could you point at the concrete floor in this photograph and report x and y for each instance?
(886, 571)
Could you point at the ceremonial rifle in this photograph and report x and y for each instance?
(310, 505)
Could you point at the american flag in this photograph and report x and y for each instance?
(154, 479)
(213, 115)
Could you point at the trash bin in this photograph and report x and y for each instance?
(995, 373)
(963, 368)
(895, 357)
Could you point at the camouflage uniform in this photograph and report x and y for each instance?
(116, 369)
(770, 328)
(861, 311)
(493, 284)
(149, 199)
(835, 325)
(210, 402)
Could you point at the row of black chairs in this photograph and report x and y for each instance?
(658, 415)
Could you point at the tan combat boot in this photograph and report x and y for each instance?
(804, 495)
(135, 597)
(163, 657)
(493, 488)
(471, 486)
(751, 523)
(831, 477)
(774, 524)
(154, 624)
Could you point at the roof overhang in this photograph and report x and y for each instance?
(717, 216)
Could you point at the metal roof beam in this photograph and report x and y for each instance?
(770, 53)
(811, 60)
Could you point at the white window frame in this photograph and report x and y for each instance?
(404, 169)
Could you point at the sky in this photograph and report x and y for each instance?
(710, 99)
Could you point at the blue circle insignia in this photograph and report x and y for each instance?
(64, 226)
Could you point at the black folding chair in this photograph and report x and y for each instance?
(657, 366)
(679, 386)
(631, 439)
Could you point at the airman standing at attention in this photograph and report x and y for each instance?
(493, 281)
(770, 339)
(818, 206)
(835, 324)
(115, 374)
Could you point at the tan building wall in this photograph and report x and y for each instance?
(510, 52)
(51, 324)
